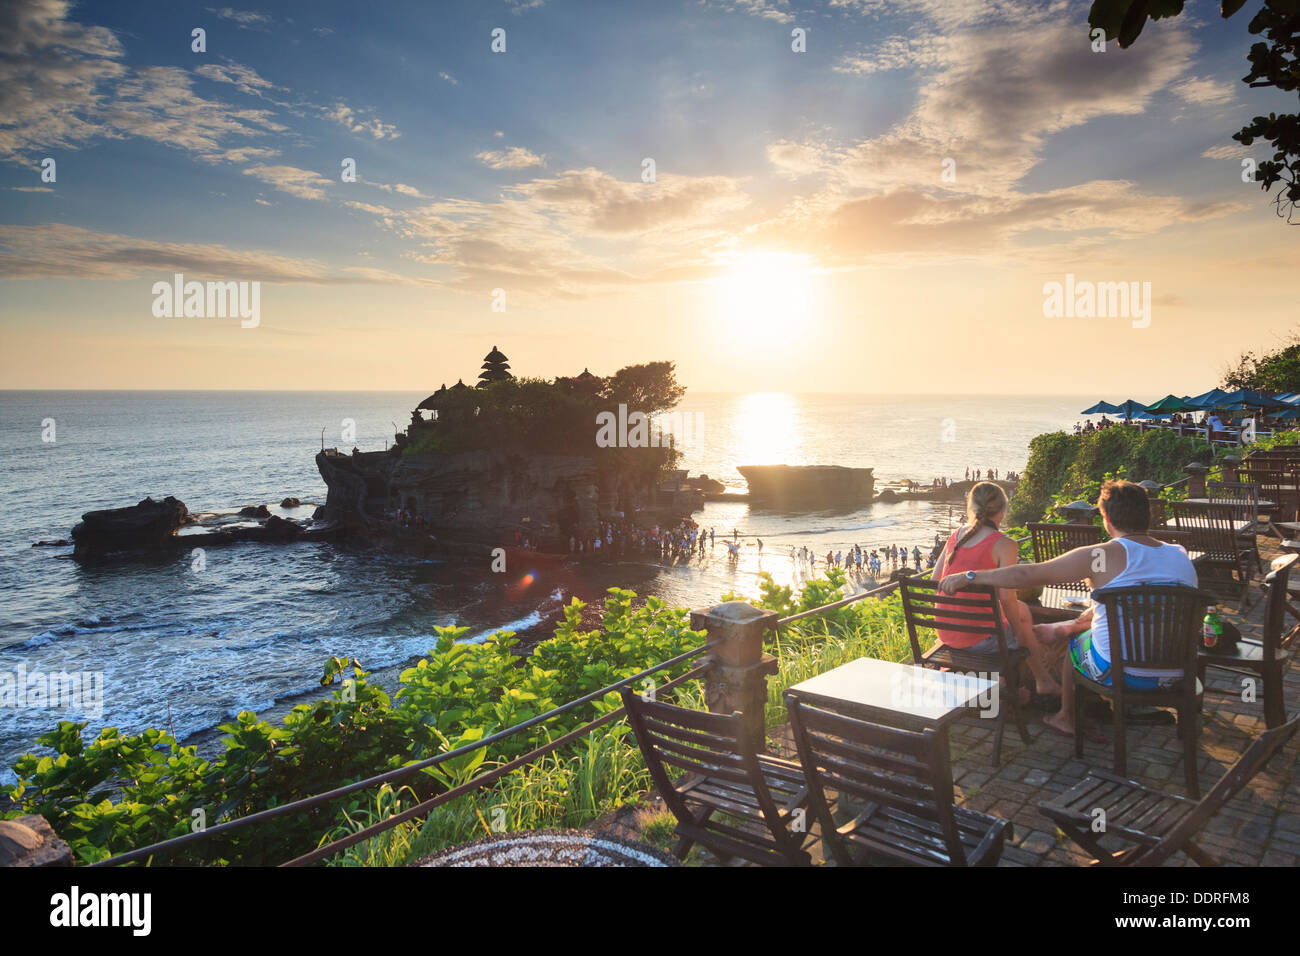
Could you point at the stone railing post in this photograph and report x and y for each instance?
(737, 676)
(1078, 512)
(1230, 465)
(1196, 473)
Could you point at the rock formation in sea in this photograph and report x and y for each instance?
(517, 457)
(808, 485)
(141, 527)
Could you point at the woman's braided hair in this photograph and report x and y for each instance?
(983, 503)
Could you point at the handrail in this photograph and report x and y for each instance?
(874, 592)
(476, 783)
(306, 803)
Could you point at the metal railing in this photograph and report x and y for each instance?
(169, 846)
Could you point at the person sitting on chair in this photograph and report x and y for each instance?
(1132, 557)
(977, 547)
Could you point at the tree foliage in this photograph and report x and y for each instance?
(1274, 61)
(1276, 371)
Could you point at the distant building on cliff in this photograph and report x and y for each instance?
(496, 368)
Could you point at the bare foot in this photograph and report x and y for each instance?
(1061, 723)
(1048, 688)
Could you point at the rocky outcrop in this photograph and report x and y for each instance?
(144, 526)
(808, 486)
(290, 503)
(255, 511)
(488, 495)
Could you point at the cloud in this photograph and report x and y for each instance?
(920, 50)
(516, 157)
(302, 183)
(62, 251)
(1205, 91)
(348, 118)
(245, 19)
(568, 235)
(401, 189)
(1227, 151)
(777, 10)
(243, 78)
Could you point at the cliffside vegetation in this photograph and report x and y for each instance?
(536, 416)
(1065, 467)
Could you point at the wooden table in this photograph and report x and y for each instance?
(1058, 604)
(899, 694)
(1238, 527)
(1263, 505)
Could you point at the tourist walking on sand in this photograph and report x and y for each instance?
(760, 545)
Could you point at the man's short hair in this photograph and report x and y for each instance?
(1125, 504)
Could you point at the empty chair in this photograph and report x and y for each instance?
(1265, 659)
(1154, 825)
(897, 785)
(727, 796)
(974, 611)
(1243, 498)
(1050, 541)
(1151, 628)
(1213, 532)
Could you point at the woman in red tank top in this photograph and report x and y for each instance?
(978, 545)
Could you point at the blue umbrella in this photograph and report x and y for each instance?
(1101, 408)
(1251, 399)
(1130, 408)
(1208, 399)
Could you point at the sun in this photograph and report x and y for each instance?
(765, 298)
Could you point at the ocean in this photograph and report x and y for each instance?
(185, 649)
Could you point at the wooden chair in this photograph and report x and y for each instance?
(1276, 482)
(975, 610)
(1266, 659)
(731, 799)
(1213, 532)
(1155, 825)
(1243, 498)
(901, 779)
(1050, 541)
(1152, 627)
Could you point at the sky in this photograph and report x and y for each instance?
(878, 211)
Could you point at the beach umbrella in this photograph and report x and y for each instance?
(1249, 398)
(1289, 414)
(1171, 404)
(1207, 399)
(1101, 408)
(1130, 408)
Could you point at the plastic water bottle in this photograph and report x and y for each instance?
(1212, 629)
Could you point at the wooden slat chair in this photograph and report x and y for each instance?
(1153, 627)
(730, 798)
(1265, 659)
(1154, 825)
(1243, 497)
(901, 780)
(1050, 541)
(1214, 535)
(1276, 482)
(975, 610)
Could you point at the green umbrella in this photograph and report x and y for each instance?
(1171, 404)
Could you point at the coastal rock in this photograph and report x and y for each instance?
(30, 841)
(290, 503)
(255, 511)
(706, 484)
(57, 542)
(813, 486)
(144, 526)
(888, 495)
(281, 529)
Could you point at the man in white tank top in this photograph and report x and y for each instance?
(1130, 558)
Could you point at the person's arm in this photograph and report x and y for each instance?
(1068, 567)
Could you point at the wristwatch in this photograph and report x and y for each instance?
(970, 577)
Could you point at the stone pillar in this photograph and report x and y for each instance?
(1230, 465)
(1196, 479)
(1155, 505)
(1078, 512)
(29, 841)
(738, 668)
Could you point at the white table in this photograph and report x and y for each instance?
(897, 693)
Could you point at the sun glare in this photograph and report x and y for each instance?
(766, 297)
